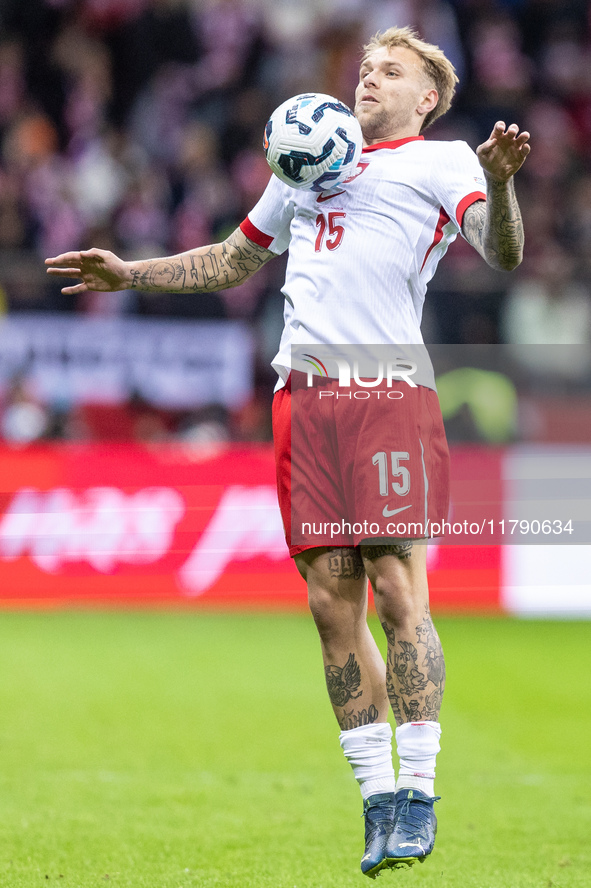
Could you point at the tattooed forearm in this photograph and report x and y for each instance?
(345, 563)
(495, 228)
(503, 232)
(226, 265)
(402, 550)
(215, 267)
(159, 274)
(343, 682)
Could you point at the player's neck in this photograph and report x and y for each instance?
(397, 136)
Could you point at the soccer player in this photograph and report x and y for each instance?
(360, 257)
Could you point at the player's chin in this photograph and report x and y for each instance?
(373, 121)
(365, 109)
(362, 106)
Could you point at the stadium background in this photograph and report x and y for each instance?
(136, 427)
(162, 731)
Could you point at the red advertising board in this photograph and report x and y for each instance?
(465, 569)
(128, 525)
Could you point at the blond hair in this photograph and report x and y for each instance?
(438, 69)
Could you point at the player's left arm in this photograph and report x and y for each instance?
(494, 227)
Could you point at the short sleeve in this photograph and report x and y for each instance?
(268, 223)
(457, 179)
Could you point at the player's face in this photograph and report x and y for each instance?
(393, 94)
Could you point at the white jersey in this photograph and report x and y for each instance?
(361, 254)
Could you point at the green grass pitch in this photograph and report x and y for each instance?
(182, 749)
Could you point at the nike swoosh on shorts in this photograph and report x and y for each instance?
(387, 513)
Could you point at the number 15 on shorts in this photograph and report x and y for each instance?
(400, 474)
(401, 485)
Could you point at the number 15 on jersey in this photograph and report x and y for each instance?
(330, 231)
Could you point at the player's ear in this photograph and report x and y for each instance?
(428, 101)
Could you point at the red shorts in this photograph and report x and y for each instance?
(357, 465)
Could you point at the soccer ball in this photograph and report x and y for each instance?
(313, 141)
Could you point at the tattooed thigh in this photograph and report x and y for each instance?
(345, 563)
(401, 549)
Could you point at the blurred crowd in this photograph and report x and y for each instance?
(136, 126)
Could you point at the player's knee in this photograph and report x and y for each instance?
(322, 608)
(400, 608)
(327, 611)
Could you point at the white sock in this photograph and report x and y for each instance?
(418, 745)
(368, 749)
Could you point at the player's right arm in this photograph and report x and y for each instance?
(204, 269)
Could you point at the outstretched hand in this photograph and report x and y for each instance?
(504, 151)
(100, 270)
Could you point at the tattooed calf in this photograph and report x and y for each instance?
(356, 719)
(406, 671)
(342, 682)
(393, 695)
(433, 705)
(433, 660)
(409, 678)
